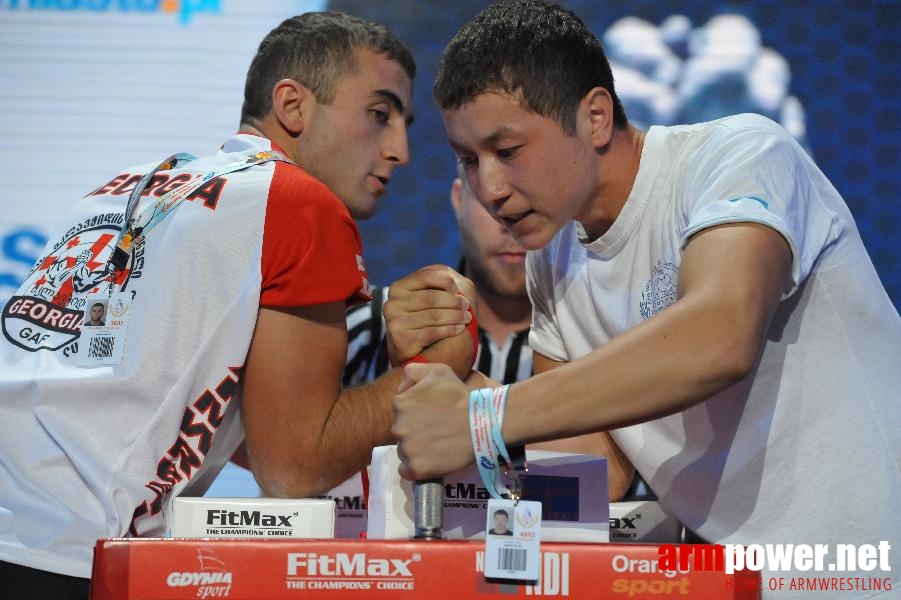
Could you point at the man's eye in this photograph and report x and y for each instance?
(467, 161)
(379, 116)
(507, 152)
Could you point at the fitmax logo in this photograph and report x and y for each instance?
(624, 522)
(350, 502)
(185, 9)
(466, 491)
(624, 528)
(247, 518)
(347, 565)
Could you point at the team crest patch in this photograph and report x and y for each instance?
(661, 289)
(47, 312)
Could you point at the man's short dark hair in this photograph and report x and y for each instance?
(501, 511)
(317, 50)
(540, 53)
(100, 304)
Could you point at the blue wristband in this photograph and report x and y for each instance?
(480, 417)
(486, 417)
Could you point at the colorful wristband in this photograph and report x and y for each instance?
(473, 328)
(419, 358)
(494, 461)
(481, 413)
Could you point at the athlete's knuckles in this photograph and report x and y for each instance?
(439, 299)
(436, 272)
(433, 317)
(397, 311)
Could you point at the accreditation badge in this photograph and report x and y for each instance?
(103, 329)
(513, 539)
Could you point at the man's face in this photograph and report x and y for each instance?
(353, 144)
(96, 313)
(500, 522)
(494, 259)
(530, 175)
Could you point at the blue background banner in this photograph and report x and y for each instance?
(92, 87)
(841, 61)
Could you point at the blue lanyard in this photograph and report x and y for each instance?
(135, 229)
(494, 461)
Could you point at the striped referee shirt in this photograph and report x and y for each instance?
(367, 352)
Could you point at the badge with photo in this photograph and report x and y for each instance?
(103, 329)
(512, 540)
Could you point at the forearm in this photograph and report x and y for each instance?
(359, 420)
(303, 433)
(458, 352)
(661, 367)
(339, 446)
(620, 471)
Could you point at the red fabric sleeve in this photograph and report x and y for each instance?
(312, 252)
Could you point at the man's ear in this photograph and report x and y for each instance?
(290, 104)
(598, 106)
(455, 195)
